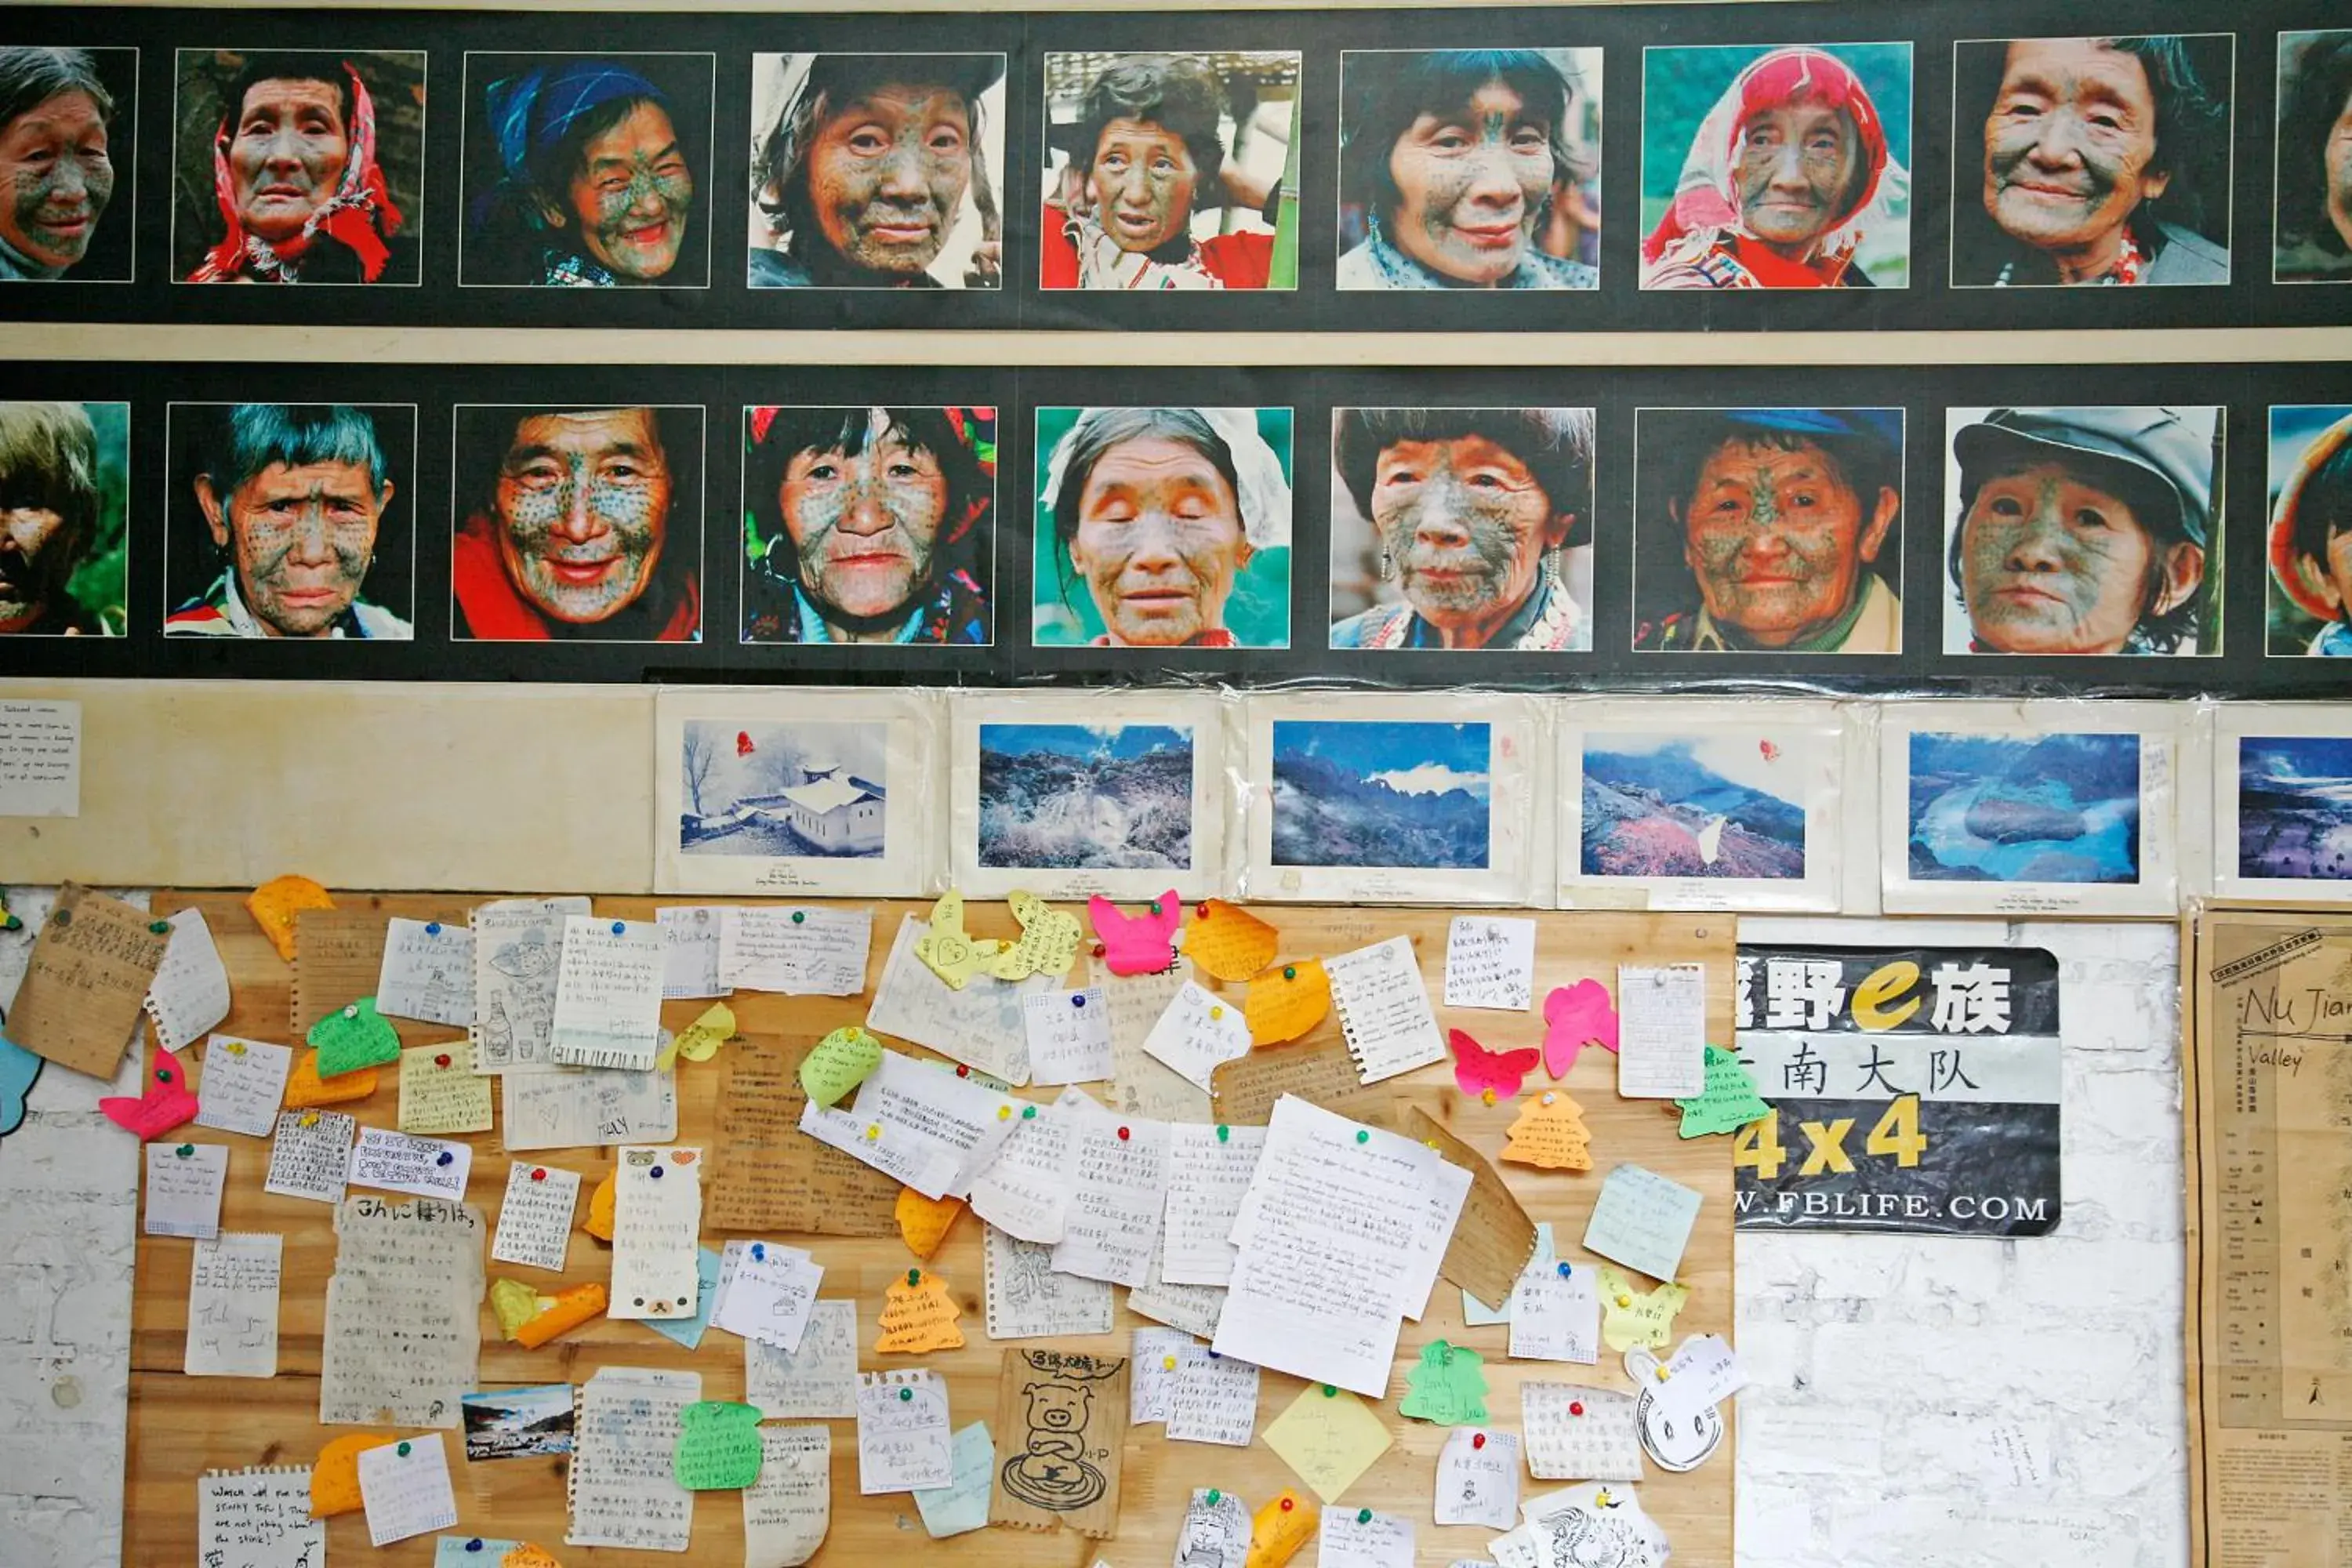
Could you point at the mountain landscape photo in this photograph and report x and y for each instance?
(2024, 808)
(1096, 797)
(1661, 805)
(1399, 796)
(2294, 807)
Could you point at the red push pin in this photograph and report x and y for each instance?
(442, 1060)
(1477, 1439)
(1098, 949)
(539, 1173)
(1122, 1134)
(1576, 1408)
(1288, 1503)
(964, 1072)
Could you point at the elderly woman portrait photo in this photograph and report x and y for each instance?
(877, 172)
(2099, 161)
(2310, 609)
(587, 173)
(62, 556)
(1777, 168)
(298, 167)
(1462, 528)
(66, 123)
(2083, 531)
(1163, 527)
(1469, 168)
(1170, 172)
(2315, 158)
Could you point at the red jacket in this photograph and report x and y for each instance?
(1241, 261)
(489, 610)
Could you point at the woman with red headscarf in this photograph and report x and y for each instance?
(1787, 178)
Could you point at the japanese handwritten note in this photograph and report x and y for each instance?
(413, 1268)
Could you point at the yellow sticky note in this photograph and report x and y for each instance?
(599, 1223)
(1285, 1002)
(1229, 941)
(923, 1222)
(335, 1474)
(440, 1092)
(273, 905)
(1048, 942)
(1630, 1317)
(919, 1315)
(1285, 1523)
(700, 1040)
(1328, 1438)
(948, 950)
(1550, 1134)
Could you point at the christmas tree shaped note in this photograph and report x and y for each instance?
(923, 1223)
(1550, 1134)
(717, 1447)
(1447, 1385)
(839, 1063)
(919, 1315)
(305, 1088)
(1730, 1101)
(353, 1035)
(1048, 944)
(1229, 941)
(1285, 1002)
(273, 905)
(1630, 1317)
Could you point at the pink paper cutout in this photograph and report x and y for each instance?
(167, 1104)
(1576, 1016)
(1137, 944)
(1478, 1069)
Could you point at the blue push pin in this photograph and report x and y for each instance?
(446, 1158)
(619, 926)
(1564, 1271)
(759, 1252)
(432, 928)
(475, 1544)
(656, 1172)
(1077, 998)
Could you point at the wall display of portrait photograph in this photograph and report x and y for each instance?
(298, 165)
(1432, 798)
(1171, 171)
(2034, 807)
(819, 793)
(63, 502)
(1462, 528)
(1164, 528)
(69, 139)
(1706, 805)
(290, 520)
(2083, 531)
(2280, 777)
(587, 170)
(2095, 160)
(2312, 240)
(577, 523)
(1069, 794)
(1470, 169)
(2309, 539)
(1783, 167)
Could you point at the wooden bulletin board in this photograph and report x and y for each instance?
(182, 1426)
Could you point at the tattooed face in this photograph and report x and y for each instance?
(53, 159)
(286, 155)
(1778, 541)
(1799, 163)
(865, 527)
(2070, 146)
(301, 541)
(887, 173)
(1470, 186)
(37, 553)
(2337, 159)
(2052, 563)
(1466, 525)
(1159, 541)
(630, 196)
(583, 506)
(1142, 183)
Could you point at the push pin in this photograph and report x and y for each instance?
(445, 1158)
(619, 926)
(964, 1072)
(1077, 998)
(873, 1131)
(654, 1173)
(1477, 1439)
(1098, 949)
(235, 1047)
(1663, 1374)
(1363, 1516)
(185, 1150)
(1362, 1136)
(906, 1395)
(1168, 1363)
(759, 1252)
(1290, 972)
(1216, 1013)
(914, 1276)
(1124, 1134)
(1548, 1098)
(1565, 1271)
(1004, 1113)
(1624, 1300)
(799, 916)
(1028, 1113)
(538, 1172)
(163, 1075)
(1155, 905)
(432, 928)
(310, 1119)
(475, 1544)
(1576, 1407)
(403, 1451)
(1487, 1095)
(1288, 1502)
(158, 927)
(62, 918)
(1601, 1497)
(1329, 1392)
(352, 1011)
(1224, 1133)
(441, 1060)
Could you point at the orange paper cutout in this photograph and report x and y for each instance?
(1285, 1523)
(276, 903)
(335, 1476)
(305, 1088)
(918, 1317)
(1229, 941)
(923, 1223)
(599, 1223)
(1550, 1134)
(1285, 1002)
(573, 1308)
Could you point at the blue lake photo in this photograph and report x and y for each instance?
(2026, 809)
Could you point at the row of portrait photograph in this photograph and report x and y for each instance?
(2185, 159)
(1419, 518)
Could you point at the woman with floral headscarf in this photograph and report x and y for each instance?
(297, 177)
(1788, 179)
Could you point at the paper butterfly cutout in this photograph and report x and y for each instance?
(18, 1069)
(1630, 1317)
(1447, 1385)
(839, 1063)
(1137, 944)
(1490, 1075)
(166, 1104)
(700, 1040)
(1048, 944)
(718, 1446)
(950, 951)
(1576, 1016)
(1228, 941)
(352, 1037)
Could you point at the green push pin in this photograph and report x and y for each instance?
(799, 915)
(403, 1451)
(1215, 1497)
(906, 1395)
(186, 1151)
(1290, 972)
(1363, 1516)
(159, 928)
(914, 1277)
(1224, 1133)
(1363, 1137)
(1329, 1392)
(1028, 1113)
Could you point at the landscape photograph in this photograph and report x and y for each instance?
(1398, 796)
(1675, 805)
(1085, 797)
(2026, 809)
(797, 790)
(516, 1423)
(2294, 807)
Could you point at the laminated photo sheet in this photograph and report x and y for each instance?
(1069, 794)
(832, 793)
(2027, 808)
(1702, 805)
(2279, 776)
(1389, 798)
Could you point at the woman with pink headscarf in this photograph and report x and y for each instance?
(1787, 178)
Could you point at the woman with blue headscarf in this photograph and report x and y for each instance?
(597, 188)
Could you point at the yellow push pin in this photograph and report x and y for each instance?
(1004, 1113)
(310, 1119)
(1624, 1300)
(1216, 1013)
(1664, 1374)
(1487, 1096)
(874, 1132)
(1168, 1363)
(1601, 1497)
(235, 1047)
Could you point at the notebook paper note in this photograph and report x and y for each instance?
(184, 1188)
(428, 972)
(1384, 1009)
(1661, 1031)
(259, 1519)
(518, 952)
(405, 1489)
(608, 994)
(788, 1509)
(535, 1216)
(190, 992)
(623, 1489)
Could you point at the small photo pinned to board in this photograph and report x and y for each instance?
(64, 469)
(518, 1423)
(2282, 777)
(2312, 237)
(2027, 808)
(69, 138)
(2309, 611)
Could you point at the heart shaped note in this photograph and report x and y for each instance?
(839, 1063)
(1229, 941)
(1285, 1002)
(166, 1104)
(353, 1035)
(1576, 1016)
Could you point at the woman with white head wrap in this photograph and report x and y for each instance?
(1158, 511)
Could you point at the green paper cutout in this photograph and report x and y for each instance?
(1730, 1101)
(717, 1447)
(839, 1063)
(349, 1040)
(1447, 1386)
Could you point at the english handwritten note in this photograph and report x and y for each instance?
(243, 1082)
(233, 1307)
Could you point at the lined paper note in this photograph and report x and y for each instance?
(608, 994)
(1022, 1192)
(405, 1489)
(931, 1130)
(259, 1519)
(184, 1188)
(427, 974)
(623, 1489)
(1214, 1399)
(799, 951)
(788, 1509)
(1661, 1031)
(1026, 1299)
(1208, 1171)
(535, 1216)
(1490, 961)
(656, 1217)
(691, 951)
(243, 1082)
(819, 1381)
(233, 1307)
(190, 992)
(1642, 1220)
(311, 1155)
(1384, 1009)
(1579, 1434)
(518, 949)
(1069, 1035)
(903, 1440)
(429, 1167)
(564, 1107)
(1118, 1183)
(441, 1093)
(982, 1026)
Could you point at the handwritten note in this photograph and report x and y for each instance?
(518, 950)
(257, 1518)
(1490, 961)
(688, 1331)
(788, 1509)
(1579, 1433)
(1329, 1437)
(1556, 1314)
(691, 951)
(1630, 1317)
(1057, 1414)
(1215, 1531)
(405, 1487)
(657, 1216)
(1208, 1172)
(1026, 1299)
(1196, 1032)
(1642, 1220)
(40, 759)
(413, 1268)
(244, 1080)
(559, 1109)
(86, 982)
(766, 1177)
(310, 1155)
(184, 1189)
(608, 994)
(1214, 1399)
(1195, 1309)
(1384, 1009)
(766, 1292)
(190, 992)
(1362, 1538)
(931, 1130)
(1069, 1035)
(429, 1167)
(1661, 1031)
(1477, 1314)
(1604, 1520)
(1730, 1101)
(428, 972)
(962, 1506)
(983, 1026)
(1022, 1191)
(535, 1216)
(233, 1307)
(903, 1438)
(1152, 1355)
(440, 1091)
(623, 1487)
(1141, 1086)
(1478, 1478)
(799, 951)
(818, 1381)
(1118, 1181)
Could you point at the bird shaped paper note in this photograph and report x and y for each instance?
(700, 1040)
(166, 1104)
(1550, 1134)
(839, 1063)
(1228, 941)
(919, 1315)
(1576, 1016)
(305, 1089)
(1489, 1075)
(353, 1035)
(1287, 1003)
(1048, 944)
(1137, 944)
(948, 950)
(1446, 1385)
(18, 1069)
(717, 1447)
(1730, 1101)
(924, 1222)
(1630, 1317)
(276, 903)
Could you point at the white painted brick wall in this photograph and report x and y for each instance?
(1918, 1403)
